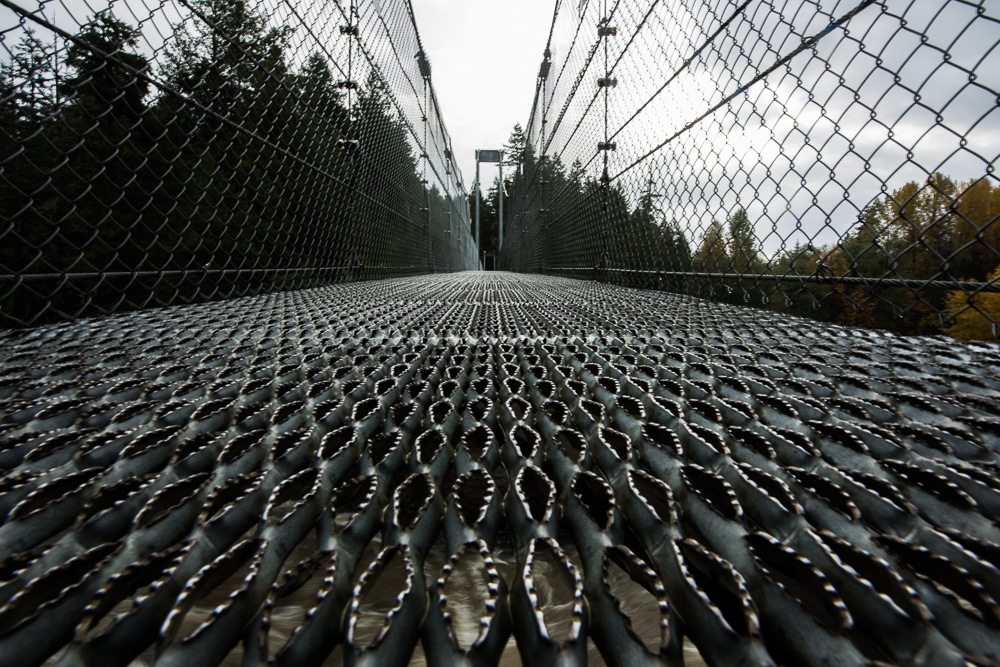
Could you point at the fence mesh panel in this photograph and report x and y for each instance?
(166, 152)
(490, 468)
(832, 159)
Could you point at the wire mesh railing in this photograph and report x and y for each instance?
(154, 153)
(828, 158)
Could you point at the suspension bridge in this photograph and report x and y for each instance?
(731, 400)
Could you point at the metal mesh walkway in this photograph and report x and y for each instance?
(481, 459)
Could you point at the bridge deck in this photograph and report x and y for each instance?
(788, 492)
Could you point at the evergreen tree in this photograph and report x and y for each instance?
(315, 126)
(676, 249)
(514, 149)
(105, 111)
(489, 234)
(226, 57)
(228, 188)
(25, 102)
(742, 244)
(395, 211)
(29, 94)
(107, 79)
(659, 241)
(712, 256)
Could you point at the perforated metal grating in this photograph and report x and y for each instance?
(788, 492)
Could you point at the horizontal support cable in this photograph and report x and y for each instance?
(961, 285)
(92, 275)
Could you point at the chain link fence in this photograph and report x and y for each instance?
(154, 153)
(829, 159)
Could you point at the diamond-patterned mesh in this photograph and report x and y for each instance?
(490, 468)
(827, 158)
(168, 152)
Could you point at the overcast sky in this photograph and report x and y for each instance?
(484, 56)
(799, 151)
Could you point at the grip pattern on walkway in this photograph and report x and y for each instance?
(245, 482)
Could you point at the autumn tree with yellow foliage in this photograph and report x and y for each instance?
(976, 315)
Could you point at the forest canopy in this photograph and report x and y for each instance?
(228, 167)
(921, 259)
(234, 163)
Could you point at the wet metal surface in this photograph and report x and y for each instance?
(443, 469)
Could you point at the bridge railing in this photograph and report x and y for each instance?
(828, 158)
(178, 151)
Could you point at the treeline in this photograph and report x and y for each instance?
(563, 219)
(943, 230)
(221, 170)
(942, 235)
